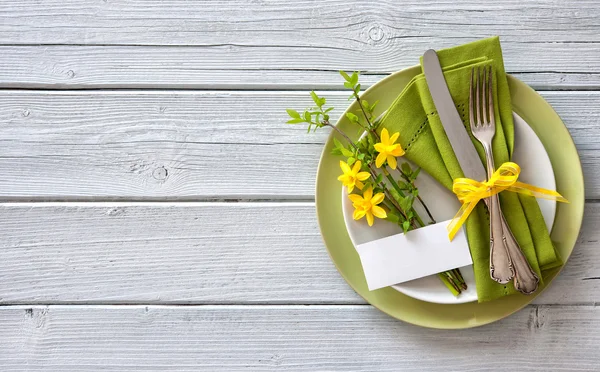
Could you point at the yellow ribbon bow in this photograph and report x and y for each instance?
(470, 192)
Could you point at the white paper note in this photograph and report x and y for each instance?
(418, 253)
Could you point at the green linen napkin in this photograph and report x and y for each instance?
(413, 114)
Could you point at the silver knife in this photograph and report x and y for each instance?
(501, 268)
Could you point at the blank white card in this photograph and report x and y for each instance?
(416, 254)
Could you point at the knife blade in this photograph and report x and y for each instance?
(461, 143)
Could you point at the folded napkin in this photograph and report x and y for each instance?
(414, 115)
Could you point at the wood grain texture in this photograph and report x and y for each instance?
(206, 67)
(190, 145)
(292, 338)
(180, 43)
(201, 253)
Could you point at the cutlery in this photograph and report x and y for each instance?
(501, 269)
(484, 129)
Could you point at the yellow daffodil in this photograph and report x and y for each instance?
(366, 205)
(353, 176)
(388, 150)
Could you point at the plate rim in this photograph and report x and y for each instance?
(504, 306)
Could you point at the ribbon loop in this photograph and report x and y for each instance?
(505, 178)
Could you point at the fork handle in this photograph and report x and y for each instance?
(501, 266)
(525, 280)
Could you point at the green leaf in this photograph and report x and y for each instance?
(293, 113)
(336, 151)
(337, 143)
(348, 85)
(357, 89)
(295, 121)
(345, 75)
(353, 118)
(405, 226)
(379, 178)
(354, 78)
(322, 101)
(406, 203)
(346, 152)
(374, 104)
(329, 109)
(415, 192)
(393, 218)
(309, 127)
(361, 156)
(351, 161)
(307, 116)
(403, 185)
(406, 169)
(314, 96)
(365, 104)
(415, 173)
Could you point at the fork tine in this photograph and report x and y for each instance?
(484, 102)
(471, 113)
(477, 106)
(491, 99)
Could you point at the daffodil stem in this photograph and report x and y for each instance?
(419, 198)
(449, 284)
(399, 191)
(363, 110)
(341, 133)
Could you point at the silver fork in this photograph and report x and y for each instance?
(501, 267)
(506, 251)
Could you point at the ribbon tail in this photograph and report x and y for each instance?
(459, 219)
(538, 192)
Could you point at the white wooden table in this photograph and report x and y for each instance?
(157, 215)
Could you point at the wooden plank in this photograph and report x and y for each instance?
(201, 253)
(190, 145)
(554, 43)
(306, 338)
(207, 67)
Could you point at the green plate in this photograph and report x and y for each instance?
(569, 180)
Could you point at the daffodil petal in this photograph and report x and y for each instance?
(394, 137)
(345, 167)
(397, 151)
(370, 218)
(358, 214)
(380, 160)
(359, 184)
(385, 136)
(392, 161)
(368, 194)
(350, 188)
(379, 147)
(356, 167)
(378, 212)
(378, 198)
(355, 198)
(363, 176)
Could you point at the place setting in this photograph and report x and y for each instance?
(448, 194)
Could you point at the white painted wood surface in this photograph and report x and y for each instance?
(116, 118)
(289, 338)
(191, 145)
(202, 253)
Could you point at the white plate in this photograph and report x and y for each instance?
(536, 169)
